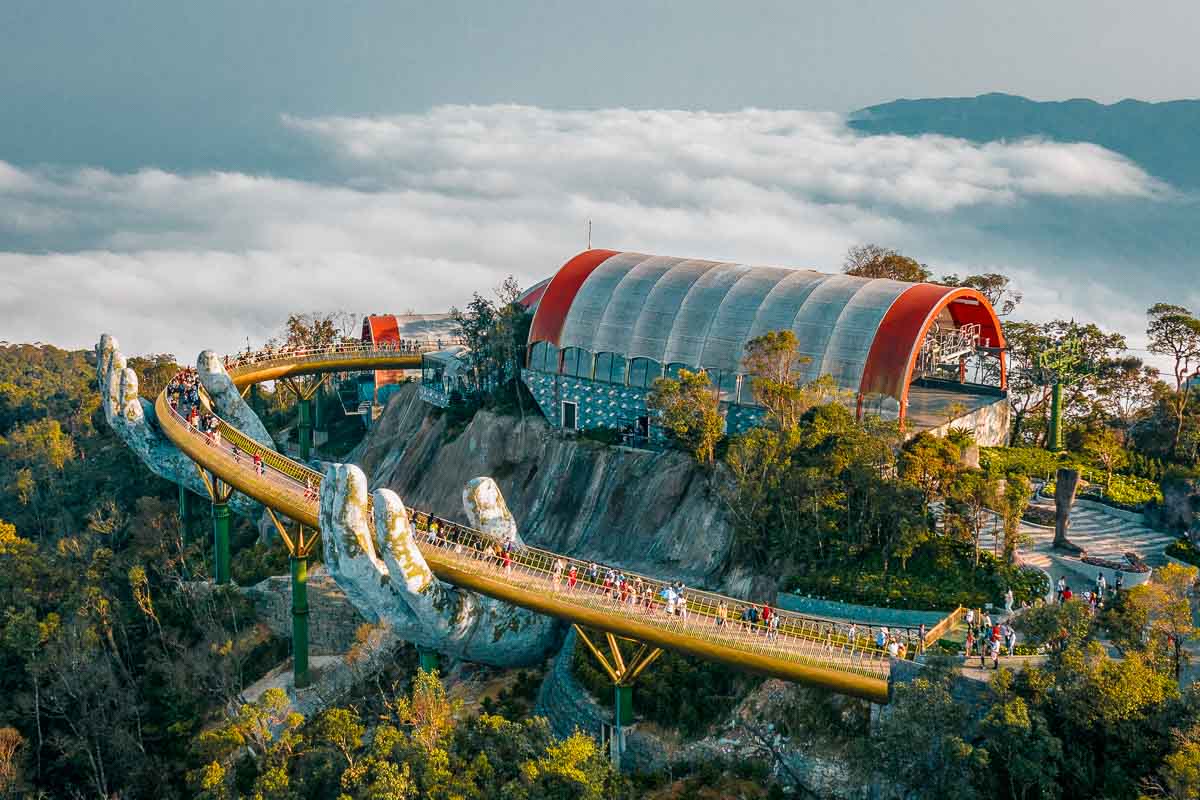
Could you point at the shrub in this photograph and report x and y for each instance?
(939, 577)
(1125, 491)
(1185, 551)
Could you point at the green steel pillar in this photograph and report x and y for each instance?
(623, 713)
(185, 507)
(318, 416)
(300, 621)
(305, 428)
(220, 515)
(1054, 439)
(429, 660)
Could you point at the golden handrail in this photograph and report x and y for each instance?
(803, 648)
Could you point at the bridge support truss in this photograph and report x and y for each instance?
(304, 406)
(299, 546)
(622, 673)
(219, 492)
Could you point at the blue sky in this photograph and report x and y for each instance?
(184, 175)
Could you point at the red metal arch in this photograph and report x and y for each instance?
(556, 300)
(380, 328)
(893, 354)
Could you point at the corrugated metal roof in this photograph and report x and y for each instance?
(703, 313)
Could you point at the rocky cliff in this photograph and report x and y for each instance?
(652, 512)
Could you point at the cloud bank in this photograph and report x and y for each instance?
(418, 211)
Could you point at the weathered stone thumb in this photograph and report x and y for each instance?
(487, 511)
(227, 400)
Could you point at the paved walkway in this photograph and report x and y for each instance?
(1100, 534)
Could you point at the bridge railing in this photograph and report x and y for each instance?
(237, 363)
(842, 644)
(795, 639)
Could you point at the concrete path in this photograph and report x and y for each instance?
(1097, 532)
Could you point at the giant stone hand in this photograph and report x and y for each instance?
(375, 559)
(133, 418)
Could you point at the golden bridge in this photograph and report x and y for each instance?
(806, 649)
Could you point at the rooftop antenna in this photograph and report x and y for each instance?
(589, 247)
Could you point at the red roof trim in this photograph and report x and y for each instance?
(560, 293)
(380, 329)
(893, 355)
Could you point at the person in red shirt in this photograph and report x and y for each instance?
(765, 616)
(572, 576)
(1067, 594)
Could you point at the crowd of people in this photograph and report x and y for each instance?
(1097, 595)
(273, 351)
(988, 638)
(672, 599)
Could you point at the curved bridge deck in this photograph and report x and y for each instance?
(805, 649)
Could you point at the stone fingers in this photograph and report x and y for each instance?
(348, 541)
(227, 399)
(434, 605)
(394, 532)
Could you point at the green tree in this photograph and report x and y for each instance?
(339, 729)
(1160, 612)
(1025, 754)
(1012, 496)
(1059, 625)
(930, 463)
(995, 287)
(1175, 333)
(775, 364)
(426, 712)
(1179, 775)
(967, 499)
(873, 261)
(312, 329)
(1107, 448)
(687, 409)
(922, 743)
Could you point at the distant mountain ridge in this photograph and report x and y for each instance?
(1163, 138)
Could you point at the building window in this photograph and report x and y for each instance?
(728, 386)
(576, 362)
(617, 375)
(551, 361)
(604, 367)
(537, 355)
(543, 357)
(643, 372)
(570, 416)
(673, 370)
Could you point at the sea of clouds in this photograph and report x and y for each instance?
(417, 211)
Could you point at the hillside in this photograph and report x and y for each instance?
(1161, 137)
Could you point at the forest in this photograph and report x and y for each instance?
(125, 669)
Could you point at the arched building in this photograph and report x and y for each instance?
(609, 323)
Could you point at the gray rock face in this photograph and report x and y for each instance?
(376, 562)
(644, 511)
(1180, 509)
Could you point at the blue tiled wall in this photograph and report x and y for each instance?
(607, 405)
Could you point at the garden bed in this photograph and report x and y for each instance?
(1132, 564)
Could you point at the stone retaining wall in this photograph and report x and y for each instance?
(332, 620)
